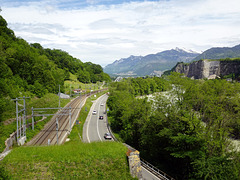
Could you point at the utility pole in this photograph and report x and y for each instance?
(57, 128)
(21, 126)
(32, 119)
(24, 117)
(59, 97)
(70, 119)
(17, 117)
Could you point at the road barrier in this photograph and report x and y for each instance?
(133, 162)
(160, 174)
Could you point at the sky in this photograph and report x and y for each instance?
(102, 31)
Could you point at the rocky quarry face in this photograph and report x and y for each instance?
(209, 69)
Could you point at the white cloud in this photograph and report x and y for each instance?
(102, 34)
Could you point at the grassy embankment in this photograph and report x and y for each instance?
(73, 160)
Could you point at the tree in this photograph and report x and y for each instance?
(38, 89)
(83, 76)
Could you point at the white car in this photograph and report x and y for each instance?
(102, 104)
(107, 136)
(94, 112)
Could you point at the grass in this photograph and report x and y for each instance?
(73, 83)
(99, 160)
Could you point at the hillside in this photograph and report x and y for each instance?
(220, 53)
(152, 64)
(30, 70)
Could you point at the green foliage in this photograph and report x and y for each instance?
(86, 72)
(83, 76)
(185, 131)
(217, 167)
(4, 174)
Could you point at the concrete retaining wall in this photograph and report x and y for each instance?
(134, 164)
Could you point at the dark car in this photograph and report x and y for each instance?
(107, 136)
(100, 117)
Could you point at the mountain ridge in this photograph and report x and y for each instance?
(149, 64)
(219, 53)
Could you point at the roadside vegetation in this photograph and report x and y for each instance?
(73, 160)
(186, 133)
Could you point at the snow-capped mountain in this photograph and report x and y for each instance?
(150, 64)
(186, 50)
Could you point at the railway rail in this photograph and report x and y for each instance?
(56, 133)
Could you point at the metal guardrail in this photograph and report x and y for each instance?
(158, 173)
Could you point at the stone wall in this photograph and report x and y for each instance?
(208, 69)
(228, 67)
(134, 164)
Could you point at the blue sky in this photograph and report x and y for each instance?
(102, 31)
(71, 4)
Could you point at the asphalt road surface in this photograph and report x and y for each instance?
(95, 128)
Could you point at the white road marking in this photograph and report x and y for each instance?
(90, 117)
(97, 123)
(98, 129)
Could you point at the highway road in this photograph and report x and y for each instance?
(95, 128)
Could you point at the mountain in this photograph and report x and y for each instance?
(220, 53)
(152, 64)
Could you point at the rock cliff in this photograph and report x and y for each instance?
(209, 69)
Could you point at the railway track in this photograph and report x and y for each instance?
(49, 134)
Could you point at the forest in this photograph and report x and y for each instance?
(30, 70)
(186, 128)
